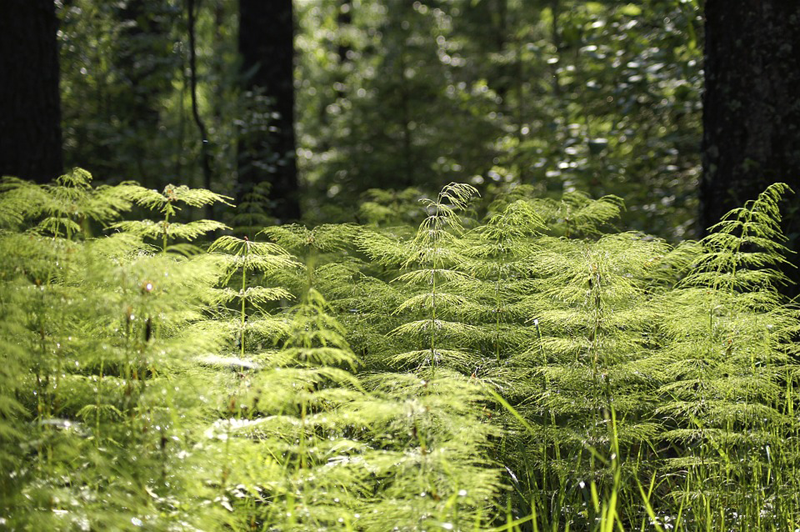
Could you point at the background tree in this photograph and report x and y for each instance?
(30, 111)
(103, 51)
(751, 107)
(267, 149)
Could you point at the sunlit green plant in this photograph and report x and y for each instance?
(166, 203)
(504, 379)
(244, 258)
(430, 263)
(295, 456)
(730, 372)
(444, 441)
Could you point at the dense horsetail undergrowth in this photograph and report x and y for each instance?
(529, 370)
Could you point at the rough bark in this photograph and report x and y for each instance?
(751, 105)
(30, 110)
(266, 45)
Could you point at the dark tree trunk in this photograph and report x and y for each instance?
(344, 19)
(30, 110)
(751, 106)
(751, 110)
(267, 155)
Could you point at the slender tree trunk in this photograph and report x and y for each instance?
(344, 19)
(751, 106)
(30, 107)
(266, 45)
(205, 149)
(751, 109)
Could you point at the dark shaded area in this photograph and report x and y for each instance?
(30, 108)
(751, 114)
(267, 154)
(145, 74)
(601, 97)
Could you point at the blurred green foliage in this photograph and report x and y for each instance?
(562, 95)
(125, 90)
(601, 97)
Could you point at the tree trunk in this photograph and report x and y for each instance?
(267, 155)
(751, 110)
(344, 19)
(30, 110)
(751, 106)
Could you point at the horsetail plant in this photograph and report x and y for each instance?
(105, 322)
(537, 370)
(245, 258)
(166, 204)
(296, 458)
(445, 445)
(732, 356)
(500, 251)
(432, 259)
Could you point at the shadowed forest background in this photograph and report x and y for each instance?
(307, 105)
(322, 101)
(392, 264)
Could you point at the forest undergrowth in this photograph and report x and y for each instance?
(533, 369)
